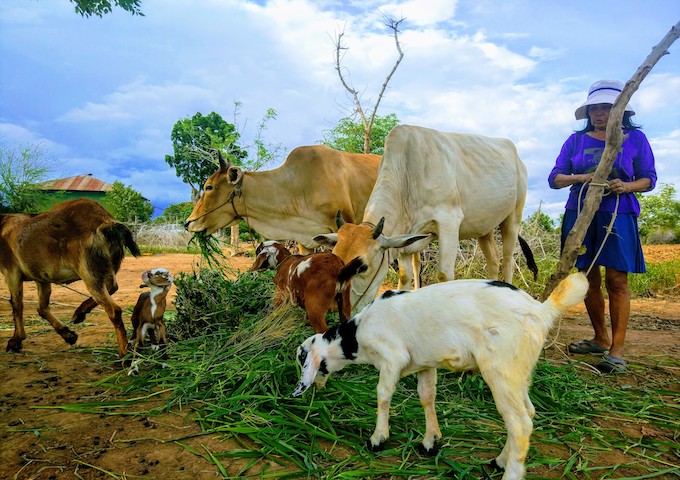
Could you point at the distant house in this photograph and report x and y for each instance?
(74, 187)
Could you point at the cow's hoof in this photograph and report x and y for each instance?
(14, 345)
(375, 448)
(428, 452)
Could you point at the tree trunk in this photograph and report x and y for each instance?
(234, 240)
(613, 143)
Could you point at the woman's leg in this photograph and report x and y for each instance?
(616, 283)
(595, 306)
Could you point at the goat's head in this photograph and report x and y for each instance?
(268, 255)
(325, 353)
(157, 277)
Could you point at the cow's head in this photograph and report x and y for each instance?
(367, 242)
(216, 208)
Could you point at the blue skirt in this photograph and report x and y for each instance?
(622, 250)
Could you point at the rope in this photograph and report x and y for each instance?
(373, 279)
(610, 227)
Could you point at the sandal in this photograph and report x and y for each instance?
(612, 365)
(586, 346)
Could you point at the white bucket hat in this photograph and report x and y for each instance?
(604, 91)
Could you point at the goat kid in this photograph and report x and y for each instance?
(147, 316)
(461, 325)
(318, 282)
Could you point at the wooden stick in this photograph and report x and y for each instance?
(613, 142)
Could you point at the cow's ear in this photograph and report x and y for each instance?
(400, 241)
(327, 239)
(234, 174)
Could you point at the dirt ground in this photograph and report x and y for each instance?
(49, 443)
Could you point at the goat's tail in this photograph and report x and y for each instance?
(529, 255)
(119, 236)
(568, 292)
(355, 267)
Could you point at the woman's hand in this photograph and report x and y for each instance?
(617, 186)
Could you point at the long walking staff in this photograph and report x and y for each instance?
(613, 142)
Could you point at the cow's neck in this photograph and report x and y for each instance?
(276, 207)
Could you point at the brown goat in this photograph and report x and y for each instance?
(318, 282)
(74, 240)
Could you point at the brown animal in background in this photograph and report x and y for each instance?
(74, 240)
(318, 282)
(147, 316)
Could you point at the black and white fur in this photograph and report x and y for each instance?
(461, 325)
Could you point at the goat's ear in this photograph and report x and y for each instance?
(309, 371)
(234, 174)
(259, 261)
(327, 239)
(400, 241)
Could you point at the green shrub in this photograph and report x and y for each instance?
(208, 301)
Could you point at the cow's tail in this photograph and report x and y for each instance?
(353, 268)
(529, 255)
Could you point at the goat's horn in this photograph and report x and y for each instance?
(339, 221)
(378, 228)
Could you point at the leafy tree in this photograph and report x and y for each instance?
(127, 204)
(21, 169)
(660, 212)
(542, 220)
(195, 142)
(175, 213)
(87, 8)
(348, 134)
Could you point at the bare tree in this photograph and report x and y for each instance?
(340, 49)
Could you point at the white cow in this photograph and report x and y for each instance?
(448, 186)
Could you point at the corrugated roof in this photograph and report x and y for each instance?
(79, 183)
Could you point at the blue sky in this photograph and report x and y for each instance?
(101, 95)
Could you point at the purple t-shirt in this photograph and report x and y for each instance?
(581, 153)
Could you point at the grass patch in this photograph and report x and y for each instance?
(233, 369)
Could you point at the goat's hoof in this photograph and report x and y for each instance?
(428, 452)
(13, 345)
(71, 338)
(493, 464)
(78, 319)
(375, 448)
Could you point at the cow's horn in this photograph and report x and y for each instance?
(339, 221)
(223, 165)
(378, 228)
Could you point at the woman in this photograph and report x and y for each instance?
(620, 251)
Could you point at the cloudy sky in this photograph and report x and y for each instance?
(101, 95)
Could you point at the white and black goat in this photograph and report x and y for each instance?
(461, 325)
(147, 316)
(318, 282)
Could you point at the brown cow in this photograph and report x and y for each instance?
(293, 202)
(318, 282)
(75, 240)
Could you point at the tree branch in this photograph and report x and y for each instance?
(613, 142)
